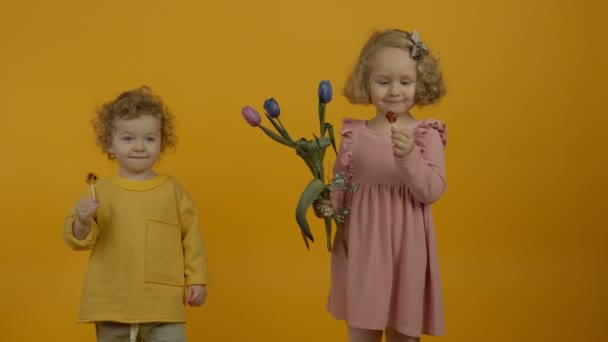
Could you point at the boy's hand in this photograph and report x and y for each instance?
(85, 210)
(323, 208)
(403, 143)
(197, 295)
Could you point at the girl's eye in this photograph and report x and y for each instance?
(127, 139)
(150, 139)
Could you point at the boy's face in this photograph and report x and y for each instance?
(136, 145)
(392, 81)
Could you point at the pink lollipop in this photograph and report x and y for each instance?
(392, 118)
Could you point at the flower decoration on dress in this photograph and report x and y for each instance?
(311, 151)
(418, 48)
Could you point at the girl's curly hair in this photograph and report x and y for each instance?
(130, 105)
(429, 84)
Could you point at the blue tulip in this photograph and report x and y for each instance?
(325, 91)
(272, 108)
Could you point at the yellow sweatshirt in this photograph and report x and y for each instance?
(145, 247)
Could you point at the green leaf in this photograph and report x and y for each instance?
(330, 129)
(317, 141)
(283, 129)
(305, 240)
(280, 129)
(309, 147)
(309, 195)
(275, 136)
(323, 142)
(303, 152)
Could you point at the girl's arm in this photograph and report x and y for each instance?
(342, 171)
(423, 169)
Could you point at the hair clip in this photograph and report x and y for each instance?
(418, 48)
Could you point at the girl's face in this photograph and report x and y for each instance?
(136, 145)
(392, 81)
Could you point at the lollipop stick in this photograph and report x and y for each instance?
(392, 119)
(91, 180)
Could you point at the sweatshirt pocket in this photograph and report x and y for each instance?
(164, 254)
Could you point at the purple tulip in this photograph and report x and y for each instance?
(325, 91)
(272, 108)
(251, 116)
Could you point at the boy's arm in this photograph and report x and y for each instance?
(195, 256)
(70, 225)
(423, 170)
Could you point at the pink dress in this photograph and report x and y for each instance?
(391, 275)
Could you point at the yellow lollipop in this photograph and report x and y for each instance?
(92, 180)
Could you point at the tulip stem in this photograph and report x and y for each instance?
(328, 233)
(322, 118)
(284, 130)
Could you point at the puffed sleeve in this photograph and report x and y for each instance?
(423, 170)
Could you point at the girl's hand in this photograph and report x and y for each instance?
(403, 143)
(197, 295)
(85, 210)
(323, 208)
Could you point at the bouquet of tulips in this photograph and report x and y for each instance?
(311, 151)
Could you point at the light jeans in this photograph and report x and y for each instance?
(143, 332)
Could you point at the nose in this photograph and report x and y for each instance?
(393, 90)
(139, 145)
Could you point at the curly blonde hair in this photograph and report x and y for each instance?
(129, 105)
(429, 84)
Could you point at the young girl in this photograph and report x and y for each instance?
(389, 279)
(142, 229)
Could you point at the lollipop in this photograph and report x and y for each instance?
(92, 180)
(392, 118)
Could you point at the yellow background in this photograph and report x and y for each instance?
(521, 230)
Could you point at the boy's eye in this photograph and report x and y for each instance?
(127, 138)
(150, 139)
